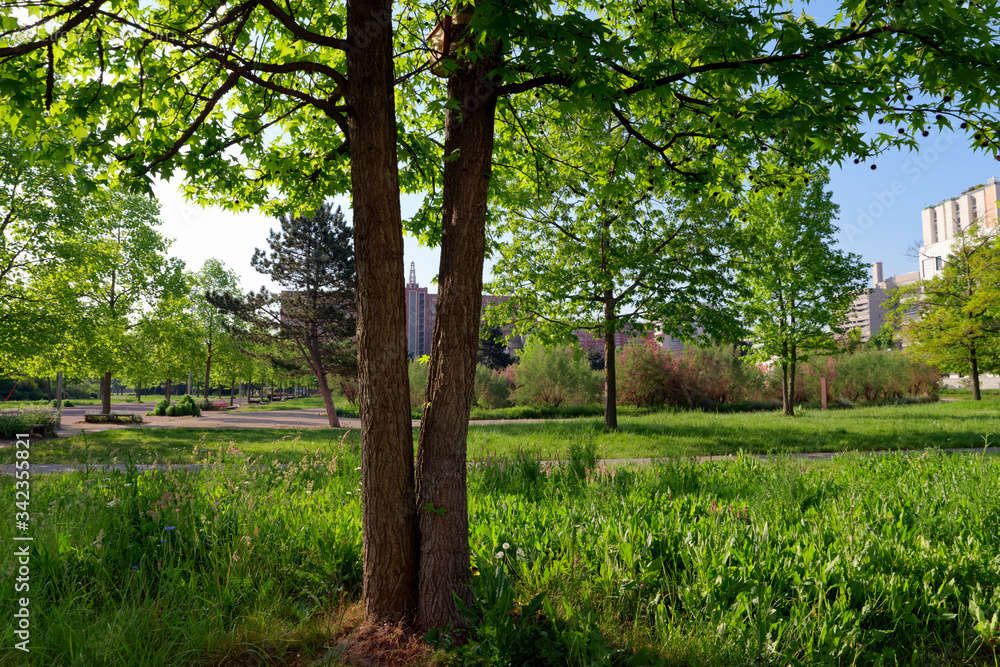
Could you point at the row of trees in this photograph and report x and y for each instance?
(263, 103)
(88, 288)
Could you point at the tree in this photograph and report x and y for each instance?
(493, 349)
(214, 325)
(265, 93)
(590, 244)
(125, 268)
(796, 287)
(957, 321)
(312, 259)
(40, 206)
(168, 337)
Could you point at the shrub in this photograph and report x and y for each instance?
(204, 404)
(882, 375)
(66, 403)
(706, 377)
(492, 388)
(349, 387)
(555, 376)
(32, 422)
(161, 408)
(186, 406)
(418, 382)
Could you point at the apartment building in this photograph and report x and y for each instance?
(868, 312)
(947, 219)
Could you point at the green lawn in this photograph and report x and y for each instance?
(663, 434)
(877, 560)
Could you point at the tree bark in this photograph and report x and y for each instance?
(208, 371)
(331, 409)
(974, 368)
(138, 391)
(610, 372)
(232, 392)
(791, 380)
(389, 578)
(106, 393)
(166, 391)
(785, 403)
(441, 457)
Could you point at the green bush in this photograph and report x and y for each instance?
(418, 382)
(66, 403)
(32, 422)
(869, 376)
(492, 388)
(186, 406)
(555, 376)
(204, 404)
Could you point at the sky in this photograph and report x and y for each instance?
(879, 212)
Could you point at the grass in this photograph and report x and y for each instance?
(655, 435)
(882, 560)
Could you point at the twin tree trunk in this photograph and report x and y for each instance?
(389, 521)
(441, 456)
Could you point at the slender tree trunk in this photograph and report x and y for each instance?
(786, 407)
(331, 409)
(166, 391)
(791, 380)
(232, 392)
(974, 367)
(208, 371)
(441, 456)
(610, 370)
(106, 393)
(138, 391)
(389, 526)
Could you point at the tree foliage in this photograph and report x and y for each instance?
(795, 285)
(953, 320)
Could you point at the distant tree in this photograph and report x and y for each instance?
(41, 206)
(168, 335)
(492, 348)
(885, 339)
(957, 326)
(125, 268)
(595, 245)
(311, 322)
(795, 286)
(213, 324)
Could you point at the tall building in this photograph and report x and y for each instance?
(421, 306)
(945, 220)
(868, 312)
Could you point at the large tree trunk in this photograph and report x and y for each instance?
(106, 393)
(441, 456)
(331, 409)
(389, 578)
(610, 374)
(974, 373)
(166, 391)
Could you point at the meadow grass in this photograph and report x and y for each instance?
(650, 435)
(884, 560)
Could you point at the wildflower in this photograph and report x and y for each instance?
(135, 567)
(170, 527)
(506, 545)
(499, 555)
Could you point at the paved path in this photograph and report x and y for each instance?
(74, 424)
(60, 468)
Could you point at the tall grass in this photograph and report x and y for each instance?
(881, 560)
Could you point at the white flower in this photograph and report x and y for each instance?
(506, 545)
(499, 555)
